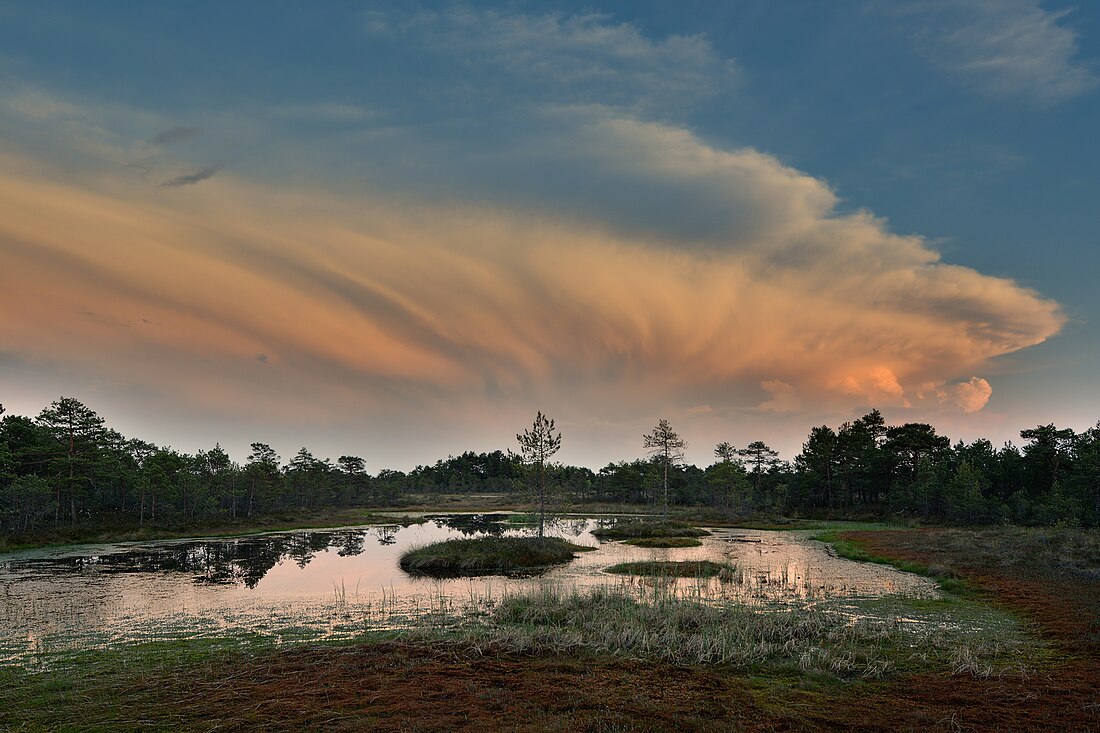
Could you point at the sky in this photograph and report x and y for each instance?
(397, 230)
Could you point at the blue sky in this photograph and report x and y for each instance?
(748, 217)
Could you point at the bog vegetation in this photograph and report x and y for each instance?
(65, 469)
(488, 555)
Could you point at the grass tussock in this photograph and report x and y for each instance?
(638, 530)
(804, 640)
(488, 555)
(664, 542)
(669, 569)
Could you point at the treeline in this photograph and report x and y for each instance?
(66, 467)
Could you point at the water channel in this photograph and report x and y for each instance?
(337, 583)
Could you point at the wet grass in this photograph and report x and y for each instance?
(948, 580)
(638, 530)
(488, 555)
(670, 569)
(664, 542)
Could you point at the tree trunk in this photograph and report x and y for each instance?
(667, 459)
(542, 500)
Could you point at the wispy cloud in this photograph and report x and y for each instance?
(582, 58)
(1004, 47)
(190, 179)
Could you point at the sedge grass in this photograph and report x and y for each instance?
(670, 569)
(667, 627)
(488, 555)
(637, 530)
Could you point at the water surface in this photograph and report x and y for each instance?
(340, 582)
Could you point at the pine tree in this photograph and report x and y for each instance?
(668, 448)
(537, 446)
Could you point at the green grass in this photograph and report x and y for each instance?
(947, 580)
(664, 542)
(667, 569)
(488, 555)
(118, 689)
(637, 530)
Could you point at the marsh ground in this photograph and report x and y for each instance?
(431, 685)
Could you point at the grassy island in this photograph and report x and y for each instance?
(639, 530)
(664, 542)
(488, 556)
(684, 569)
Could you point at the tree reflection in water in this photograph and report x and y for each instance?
(243, 560)
(246, 560)
(473, 524)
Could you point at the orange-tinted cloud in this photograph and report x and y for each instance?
(235, 296)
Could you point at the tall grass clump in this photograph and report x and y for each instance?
(488, 555)
(612, 621)
(668, 569)
(635, 530)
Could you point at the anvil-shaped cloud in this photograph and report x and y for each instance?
(391, 304)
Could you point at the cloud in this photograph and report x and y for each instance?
(190, 179)
(585, 58)
(1007, 48)
(970, 396)
(368, 302)
(175, 135)
(784, 397)
(36, 105)
(545, 245)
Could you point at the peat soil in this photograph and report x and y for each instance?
(1058, 693)
(399, 687)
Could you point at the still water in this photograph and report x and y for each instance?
(339, 582)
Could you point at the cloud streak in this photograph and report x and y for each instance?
(585, 58)
(190, 179)
(1007, 48)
